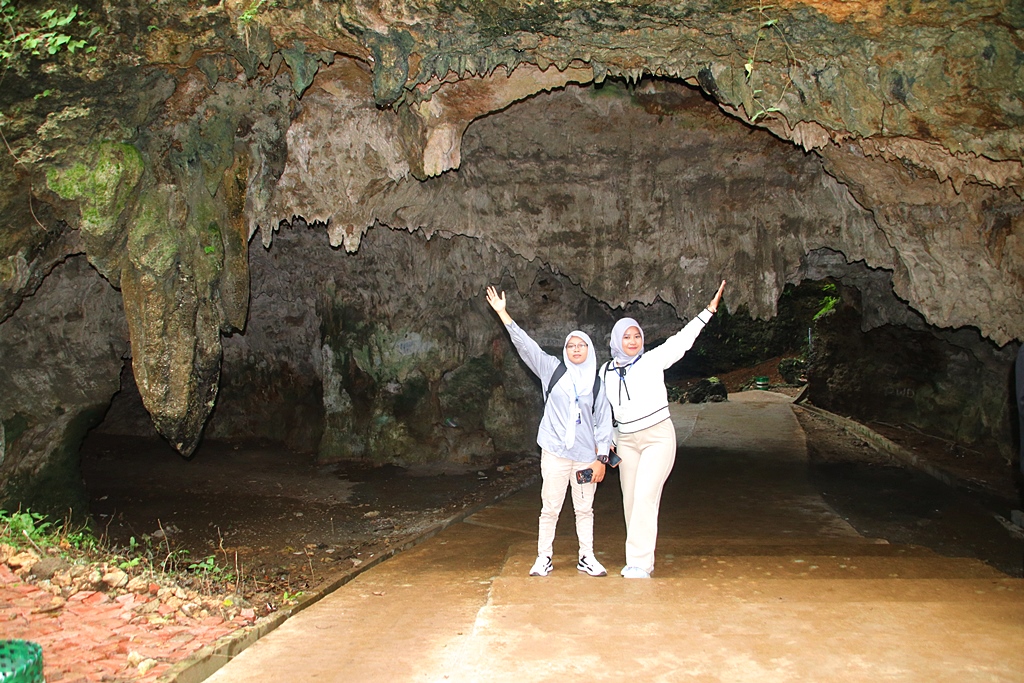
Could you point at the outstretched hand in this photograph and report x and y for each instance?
(496, 301)
(713, 306)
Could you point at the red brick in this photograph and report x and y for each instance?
(96, 598)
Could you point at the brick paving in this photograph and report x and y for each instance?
(93, 637)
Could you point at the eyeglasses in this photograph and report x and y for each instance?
(573, 347)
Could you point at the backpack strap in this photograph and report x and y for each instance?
(559, 371)
(605, 369)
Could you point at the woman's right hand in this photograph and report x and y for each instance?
(496, 301)
(713, 306)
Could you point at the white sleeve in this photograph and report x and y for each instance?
(676, 346)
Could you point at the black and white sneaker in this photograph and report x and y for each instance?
(542, 567)
(591, 566)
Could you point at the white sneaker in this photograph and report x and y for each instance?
(591, 566)
(635, 573)
(542, 567)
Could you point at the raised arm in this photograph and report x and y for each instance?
(676, 346)
(497, 302)
(542, 364)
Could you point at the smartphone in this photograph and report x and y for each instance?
(613, 460)
(584, 476)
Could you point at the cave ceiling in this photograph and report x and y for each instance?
(194, 128)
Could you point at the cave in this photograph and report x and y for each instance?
(274, 223)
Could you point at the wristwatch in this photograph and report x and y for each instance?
(603, 458)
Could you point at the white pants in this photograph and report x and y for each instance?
(555, 473)
(647, 460)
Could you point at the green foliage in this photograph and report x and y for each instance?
(254, 9)
(134, 559)
(42, 33)
(210, 570)
(212, 239)
(143, 555)
(828, 305)
(26, 528)
(251, 14)
(174, 559)
(828, 302)
(24, 524)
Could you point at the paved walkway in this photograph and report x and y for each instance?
(757, 579)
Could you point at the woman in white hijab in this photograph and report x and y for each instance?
(645, 439)
(574, 436)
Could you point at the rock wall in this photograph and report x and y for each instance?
(954, 385)
(392, 354)
(62, 350)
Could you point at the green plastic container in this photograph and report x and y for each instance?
(760, 382)
(21, 661)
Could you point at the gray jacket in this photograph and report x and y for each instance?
(589, 442)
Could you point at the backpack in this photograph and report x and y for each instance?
(561, 370)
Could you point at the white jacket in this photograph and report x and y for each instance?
(637, 391)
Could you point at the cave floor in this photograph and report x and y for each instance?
(277, 519)
(286, 525)
(300, 530)
(765, 572)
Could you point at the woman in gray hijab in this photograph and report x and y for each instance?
(574, 433)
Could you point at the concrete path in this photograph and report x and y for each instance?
(757, 579)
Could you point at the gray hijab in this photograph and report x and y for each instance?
(620, 356)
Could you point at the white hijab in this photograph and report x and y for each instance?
(580, 383)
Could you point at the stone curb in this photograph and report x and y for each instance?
(201, 665)
(1012, 525)
(885, 445)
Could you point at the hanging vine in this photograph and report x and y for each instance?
(768, 29)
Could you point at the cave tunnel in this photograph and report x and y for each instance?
(388, 360)
(255, 324)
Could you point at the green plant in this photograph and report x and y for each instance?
(767, 26)
(26, 524)
(173, 560)
(250, 15)
(81, 539)
(127, 563)
(42, 33)
(210, 570)
(828, 302)
(253, 10)
(20, 527)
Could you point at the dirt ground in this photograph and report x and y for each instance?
(275, 519)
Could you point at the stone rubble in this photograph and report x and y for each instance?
(123, 627)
